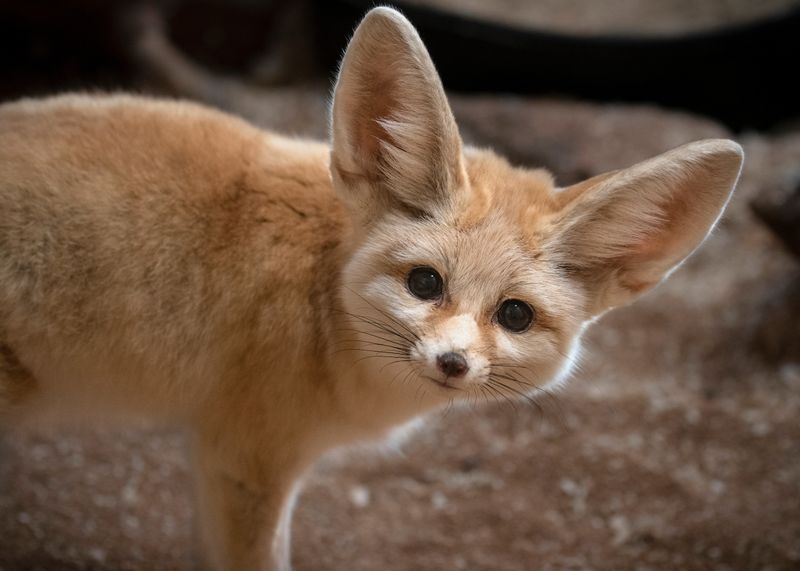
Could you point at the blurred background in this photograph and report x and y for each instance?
(676, 445)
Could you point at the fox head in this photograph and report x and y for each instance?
(470, 277)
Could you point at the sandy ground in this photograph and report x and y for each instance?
(676, 446)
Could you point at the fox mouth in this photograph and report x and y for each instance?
(442, 383)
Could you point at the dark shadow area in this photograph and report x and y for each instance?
(740, 75)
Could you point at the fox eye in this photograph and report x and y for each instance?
(515, 315)
(425, 283)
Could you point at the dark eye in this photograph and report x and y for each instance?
(515, 315)
(425, 283)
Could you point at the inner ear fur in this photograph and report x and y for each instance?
(394, 138)
(624, 231)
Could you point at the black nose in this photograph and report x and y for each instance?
(452, 364)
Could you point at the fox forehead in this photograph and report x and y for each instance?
(504, 199)
(504, 209)
(525, 198)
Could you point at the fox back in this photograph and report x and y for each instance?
(281, 296)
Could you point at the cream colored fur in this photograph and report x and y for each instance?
(162, 258)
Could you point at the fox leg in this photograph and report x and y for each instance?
(16, 382)
(242, 526)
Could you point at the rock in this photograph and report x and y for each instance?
(576, 140)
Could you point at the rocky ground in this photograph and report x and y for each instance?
(676, 446)
(631, 17)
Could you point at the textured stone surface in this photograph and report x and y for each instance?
(633, 17)
(675, 447)
(575, 140)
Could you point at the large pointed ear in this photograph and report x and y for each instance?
(621, 233)
(395, 143)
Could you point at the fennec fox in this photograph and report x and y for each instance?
(282, 297)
